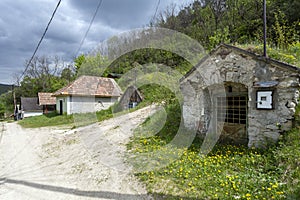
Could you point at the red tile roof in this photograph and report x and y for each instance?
(91, 86)
(46, 98)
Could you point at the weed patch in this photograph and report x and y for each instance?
(227, 172)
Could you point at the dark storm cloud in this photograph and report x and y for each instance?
(22, 24)
(21, 27)
(120, 14)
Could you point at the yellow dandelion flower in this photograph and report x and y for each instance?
(279, 193)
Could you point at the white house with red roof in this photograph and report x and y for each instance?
(87, 94)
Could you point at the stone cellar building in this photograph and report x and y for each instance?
(241, 97)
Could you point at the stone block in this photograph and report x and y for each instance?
(272, 127)
(287, 125)
(290, 82)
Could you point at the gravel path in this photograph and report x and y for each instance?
(59, 163)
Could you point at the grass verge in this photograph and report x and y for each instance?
(227, 172)
(51, 119)
(74, 120)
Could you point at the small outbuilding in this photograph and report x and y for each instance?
(47, 101)
(248, 98)
(30, 107)
(87, 94)
(131, 98)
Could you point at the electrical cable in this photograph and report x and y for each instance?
(156, 9)
(86, 33)
(39, 43)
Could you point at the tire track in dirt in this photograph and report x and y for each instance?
(59, 163)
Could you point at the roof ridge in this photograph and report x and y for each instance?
(243, 51)
(91, 85)
(260, 57)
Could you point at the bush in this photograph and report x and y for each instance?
(2, 110)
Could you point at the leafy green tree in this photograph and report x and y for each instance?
(44, 75)
(7, 101)
(67, 74)
(285, 34)
(78, 62)
(30, 87)
(209, 21)
(93, 65)
(2, 110)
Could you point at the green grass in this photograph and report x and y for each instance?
(227, 172)
(74, 120)
(291, 55)
(287, 156)
(51, 119)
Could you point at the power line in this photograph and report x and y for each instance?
(86, 33)
(37, 47)
(156, 9)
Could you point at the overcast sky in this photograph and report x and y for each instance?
(22, 23)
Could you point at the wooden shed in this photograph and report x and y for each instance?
(47, 101)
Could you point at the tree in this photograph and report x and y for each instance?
(207, 20)
(93, 65)
(41, 70)
(2, 110)
(67, 74)
(78, 62)
(7, 102)
(42, 75)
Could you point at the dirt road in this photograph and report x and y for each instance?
(59, 163)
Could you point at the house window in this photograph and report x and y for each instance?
(232, 109)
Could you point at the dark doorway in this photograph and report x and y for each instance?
(231, 114)
(60, 107)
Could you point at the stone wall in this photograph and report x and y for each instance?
(227, 65)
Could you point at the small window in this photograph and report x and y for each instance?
(264, 98)
(232, 109)
(230, 89)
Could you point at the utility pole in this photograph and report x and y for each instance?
(14, 93)
(265, 28)
(15, 101)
